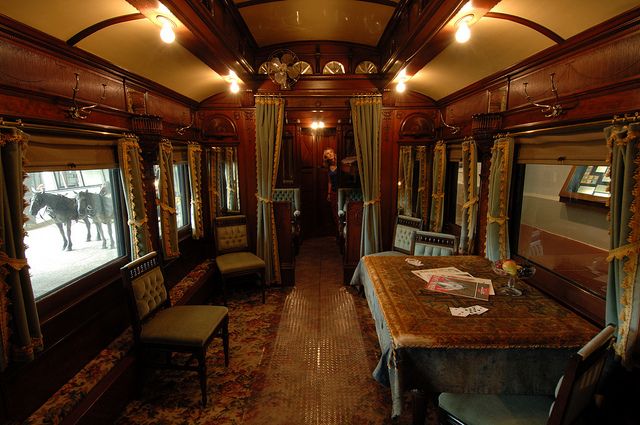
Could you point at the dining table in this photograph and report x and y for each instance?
(520, 345)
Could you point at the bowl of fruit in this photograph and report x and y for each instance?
(512, 269)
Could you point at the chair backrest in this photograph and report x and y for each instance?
(146, 289)
(434, 244)
(345, 195)
(290, 194)
(577, 387)
(231, 234)
(404, 232)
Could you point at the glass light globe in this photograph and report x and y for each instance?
(166, 33)
(235, 88)
(401, 87)
(463, 34)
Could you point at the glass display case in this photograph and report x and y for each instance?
(587, 183)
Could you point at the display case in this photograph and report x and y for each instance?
(587, 183)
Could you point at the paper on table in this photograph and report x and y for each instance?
(460, 285)
(450, 271)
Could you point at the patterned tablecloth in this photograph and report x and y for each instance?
(519, 346)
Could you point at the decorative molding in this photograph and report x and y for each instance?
(219, 127)
(418, 125)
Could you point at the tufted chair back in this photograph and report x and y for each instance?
(345, 195)
(292, 195)
(404, 232)
(231, 234)
(434, 244)
(145, 284)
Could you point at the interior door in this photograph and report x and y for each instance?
(316, 218)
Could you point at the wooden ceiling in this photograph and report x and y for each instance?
(215, 37)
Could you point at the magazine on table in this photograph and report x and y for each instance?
(456, 282)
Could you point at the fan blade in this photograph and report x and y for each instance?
(280, 77)
(287, 58)
(293, 72)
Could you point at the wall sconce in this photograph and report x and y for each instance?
(401, 80)
(82, 112)
(233, 79)
(166, 33)
(317, 124)
(553, 110)
(463, 32)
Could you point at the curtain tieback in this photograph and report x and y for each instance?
(623, 251)
(371, 202)
(499, 220)
(15, 263)
(470, 202)
(437, 195)
(264, 200)
(167, 208)
(421, 189)
(137, 223)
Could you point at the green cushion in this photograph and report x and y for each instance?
(481, 409)
(190, 325)
(238, 262)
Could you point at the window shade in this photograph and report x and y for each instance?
(56, 153)
(571, 149)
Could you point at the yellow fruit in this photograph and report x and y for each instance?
(510, 267)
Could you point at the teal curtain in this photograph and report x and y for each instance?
(194, 159)
(19, 323)
(469, 195)
(269, 122)
(366, 116)
(437, 188)
(497, 243)
(623, 289)
(168, 218)
(131, 169)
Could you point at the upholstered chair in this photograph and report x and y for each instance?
(574, 392)
(434, 244)
(403, 235)
(234, 259)
(345, 195)
(292, 195)
(157, 326)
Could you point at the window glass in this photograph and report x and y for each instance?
(180, 188)
(460, 191)
(72, 225)
(569, 238)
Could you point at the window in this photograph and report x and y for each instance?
(73, 225)
(181, 191)
(460, 191)
(569, 238)
(333, 67)
(366, 67)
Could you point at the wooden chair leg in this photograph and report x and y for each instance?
(202, 373)
(225, 340)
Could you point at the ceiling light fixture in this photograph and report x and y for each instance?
(233, 80)
(401, 80)
(234, 87)
(166, 33)
(317, 124)
(463, 32)
(401, 87)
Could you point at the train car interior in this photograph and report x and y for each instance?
(320, 212)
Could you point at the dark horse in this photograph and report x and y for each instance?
(99, 208)
(62, 210)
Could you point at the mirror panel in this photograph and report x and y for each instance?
(412, 167)
(224, 172)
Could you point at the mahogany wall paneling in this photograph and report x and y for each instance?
(318, 217)
(287, 169)
(282, 212)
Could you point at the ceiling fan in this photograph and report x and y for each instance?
(283, 68)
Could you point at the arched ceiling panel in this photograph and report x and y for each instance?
(64, 18)
(566, 18)
(488, 52)
(136, 47)
(352, 21)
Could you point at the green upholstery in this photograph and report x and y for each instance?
(292, 195)
(404, 232)
(149, 291)
(238, 261)
(157, 326)
(574, 392)
(189, 325)
(345, 195)
(476, 409)
(233, 257)
(434, 244)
